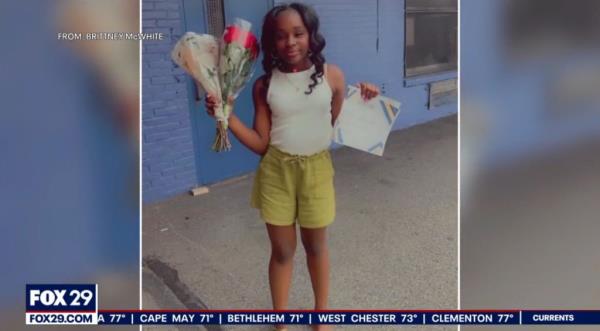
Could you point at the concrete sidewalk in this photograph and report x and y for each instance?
(393, 244)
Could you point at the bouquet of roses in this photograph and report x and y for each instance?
(222, 68)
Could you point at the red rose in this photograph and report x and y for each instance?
(252, 44)
(233, 33)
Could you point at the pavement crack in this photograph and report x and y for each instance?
(170, 277)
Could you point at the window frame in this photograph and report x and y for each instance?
(437, 71)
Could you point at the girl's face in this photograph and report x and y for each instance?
(291, 38)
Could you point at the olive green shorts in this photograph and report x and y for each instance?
(295, 187)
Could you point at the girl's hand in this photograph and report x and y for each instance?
(368, 91)
(213, 102)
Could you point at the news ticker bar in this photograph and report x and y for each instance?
(346, 317)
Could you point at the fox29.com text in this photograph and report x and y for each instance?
(77, 304)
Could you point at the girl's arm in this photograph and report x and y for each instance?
(336, 80)
(256, 138)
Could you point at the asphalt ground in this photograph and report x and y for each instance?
(393, 244)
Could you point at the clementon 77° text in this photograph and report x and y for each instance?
(71, 36)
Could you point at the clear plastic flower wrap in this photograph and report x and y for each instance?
(222, 68)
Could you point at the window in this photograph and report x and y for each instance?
(535, 29)
(430, 36)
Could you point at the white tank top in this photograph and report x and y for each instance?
(300, 123)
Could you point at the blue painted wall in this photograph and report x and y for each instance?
(168, 157)
(177, 133)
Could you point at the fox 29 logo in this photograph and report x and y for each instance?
(61, 303)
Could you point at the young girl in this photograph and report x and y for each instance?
(296, 104)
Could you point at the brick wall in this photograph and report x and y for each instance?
(168, 161)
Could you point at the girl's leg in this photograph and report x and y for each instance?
(283, 247)
(317, 258)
